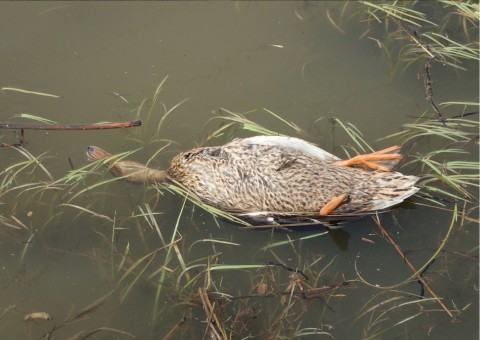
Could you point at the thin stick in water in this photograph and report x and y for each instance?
(62, 127)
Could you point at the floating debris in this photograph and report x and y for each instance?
(37, 316)
(14, 89)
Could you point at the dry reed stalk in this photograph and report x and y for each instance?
(211, 316)
(410, 265)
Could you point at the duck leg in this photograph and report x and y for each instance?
(333, 204)
(367, 160)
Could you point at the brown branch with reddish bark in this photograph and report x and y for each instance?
(63, 127)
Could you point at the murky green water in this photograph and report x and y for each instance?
(103, 60)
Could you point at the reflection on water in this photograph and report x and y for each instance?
(102, 258)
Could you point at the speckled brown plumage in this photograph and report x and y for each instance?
(276, 175)
(240, 177)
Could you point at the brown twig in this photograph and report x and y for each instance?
(212, 318)
(87, 310)
(175, 328)
(413, 35)
(429, 89)
(311, 293)
(410, 265)
(281, 265)
(62, 127)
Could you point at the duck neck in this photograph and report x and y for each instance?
(158, 176)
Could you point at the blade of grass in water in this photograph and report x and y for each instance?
(167, 113)
(157, 152)
(355, 135)
(13, 171)
(184, 192)
(34, 118)
(36, 160)
(400, 12)
(235, 266)
(168, 257)
(281, 243)
(154, 99)
(132, 284)
(112, 248)
(149, 216)
(246, 124)
(445, 104)
(105, 217)
(243, 123)
(124, 257)
(25, 248)
(214, 241)
(15, 89)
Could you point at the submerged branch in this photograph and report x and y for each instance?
(432, 56)
(418, 273)
(62, 127)
(429, 90)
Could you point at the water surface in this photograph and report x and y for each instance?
(103, 60)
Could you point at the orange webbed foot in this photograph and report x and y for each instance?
(333, 204)
(367, 160)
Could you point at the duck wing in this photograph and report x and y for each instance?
(294, 143)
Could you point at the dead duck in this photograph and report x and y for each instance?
(276, 179)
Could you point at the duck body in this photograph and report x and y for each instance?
(279, 178)
(281, 175)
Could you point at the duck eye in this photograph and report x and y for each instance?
(214, 152)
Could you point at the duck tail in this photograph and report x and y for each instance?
(393, 189)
